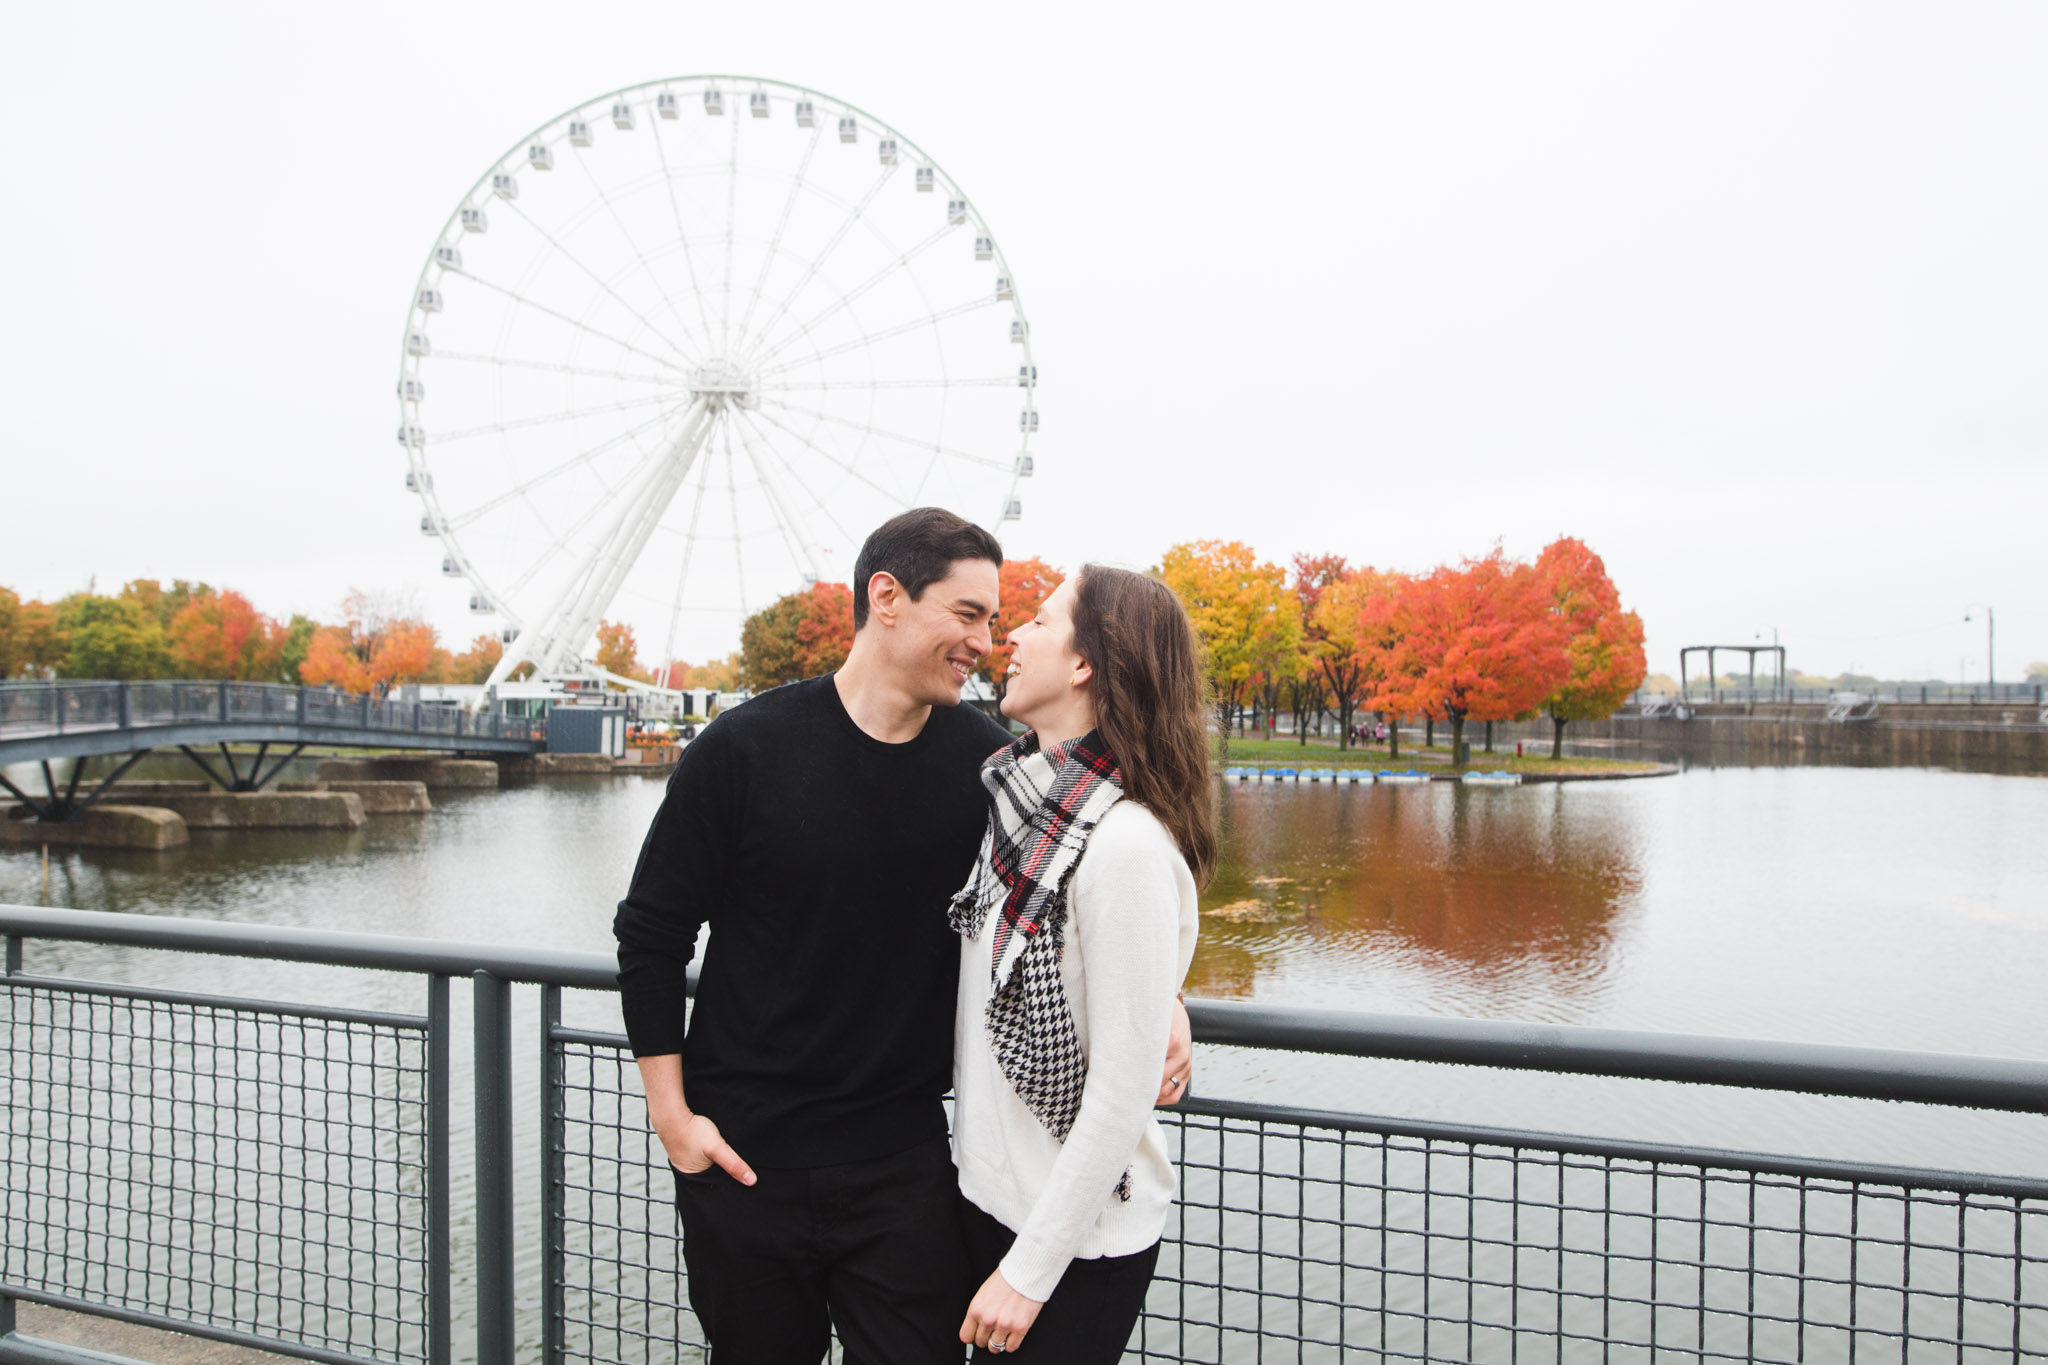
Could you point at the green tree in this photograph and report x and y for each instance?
(803, 635)
(110, 637)
(298, 638)
(13, 644)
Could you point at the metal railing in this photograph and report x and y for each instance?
(278, 1175)
(33, 710)
(1918, 694)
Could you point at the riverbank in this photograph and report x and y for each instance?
(1433, 759)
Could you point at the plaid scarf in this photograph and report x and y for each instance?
(1044, 805)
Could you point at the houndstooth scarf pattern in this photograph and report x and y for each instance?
(1044, 805)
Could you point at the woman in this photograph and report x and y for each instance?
(1077, 926)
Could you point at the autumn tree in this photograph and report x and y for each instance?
(109, 637)
(802, 635)
(164, 603)
(1338, 645)
(1242, 613)
(378, 644)
(221, 635)
(1481, 643)
(474, 664)
(1026, 583)
(720, 675)
(1603, 643)
(1389, 674)
(617, 651)
(13, 638)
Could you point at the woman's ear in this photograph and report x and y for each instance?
(1083, 675)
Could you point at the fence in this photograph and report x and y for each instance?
(34, 710)
(1917, 694)
(278, 1174)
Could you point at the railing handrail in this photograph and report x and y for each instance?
(2005, 1083)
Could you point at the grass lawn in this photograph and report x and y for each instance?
(1287, 753)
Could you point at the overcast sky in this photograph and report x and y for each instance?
(1752, 298)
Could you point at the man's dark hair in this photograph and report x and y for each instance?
(918, 548)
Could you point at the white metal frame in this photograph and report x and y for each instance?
(724, 402)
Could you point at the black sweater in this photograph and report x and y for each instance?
(823, 859)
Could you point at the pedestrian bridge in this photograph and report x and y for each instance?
(45, 722)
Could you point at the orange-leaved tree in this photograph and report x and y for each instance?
(372, 649)
(474, 665)
(1026, 583)
(1244, 616)
(617, 651)
(1389, 675)
(1351, 659)
(801, 635)
(1482, 643)
(1604, 644)
(1311, 688)
(221, 635)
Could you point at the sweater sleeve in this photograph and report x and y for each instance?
(1126, 917)
(676, 886)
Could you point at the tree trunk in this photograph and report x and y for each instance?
(1429, 732)
(1557, 738)
(1489, 736)
(1459, 754)
(1223, 733)
(1394, 738)
(1344, 713)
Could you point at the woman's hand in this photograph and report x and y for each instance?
(999, 1316)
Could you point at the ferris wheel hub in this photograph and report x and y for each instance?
(722, 381)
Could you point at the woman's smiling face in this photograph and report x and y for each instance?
(1046, 676)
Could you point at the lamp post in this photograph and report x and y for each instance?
(1990, 641)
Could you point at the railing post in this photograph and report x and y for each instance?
(553, 1122)
(126, 714)
(223, 703)
(495, 1290)
(366, 711)
(440, 1304)
(300, 712)
(12, 960)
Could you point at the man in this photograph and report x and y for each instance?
(821, 830)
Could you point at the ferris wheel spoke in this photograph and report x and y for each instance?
(732, 190)
(818, 504)
(739, 546)
(796, 537)
(581, 371)
(822, 385)
(844, 466)
(675, 610)
(598, 280)
(853, 216)
(579, 459)
(869, 338)
(549, 419)
(668, 180)
(769, 350)
(913, 442)
(577, 323)
(796, 185)
(633, 245)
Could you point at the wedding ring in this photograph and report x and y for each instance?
(1175, 1081)
(997, 1347)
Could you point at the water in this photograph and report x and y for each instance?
(1901, 908)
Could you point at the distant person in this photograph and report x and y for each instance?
(1077, 926)
(820, 830)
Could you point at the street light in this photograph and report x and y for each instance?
(1990, 640)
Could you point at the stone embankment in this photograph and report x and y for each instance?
(99, 827)
(433, 773)
(1971, 738)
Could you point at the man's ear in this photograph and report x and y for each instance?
(885, 597)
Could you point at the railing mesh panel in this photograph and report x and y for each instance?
(623, 1297)
(1300, 1243)
(244, 1169)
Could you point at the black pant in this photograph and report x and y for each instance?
(871, 1248)
(1092, 1310)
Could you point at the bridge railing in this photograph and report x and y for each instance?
(278, 1174)
(33, 709)
(1932, 694)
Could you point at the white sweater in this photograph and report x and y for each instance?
(1129, 936)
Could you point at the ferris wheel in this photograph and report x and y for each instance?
(679, 349)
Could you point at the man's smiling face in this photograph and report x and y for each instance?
(942, 635)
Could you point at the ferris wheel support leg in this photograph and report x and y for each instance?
(553, 640)
(794, 532)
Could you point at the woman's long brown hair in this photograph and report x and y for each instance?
(1151, 702)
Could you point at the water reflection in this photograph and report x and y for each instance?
(1475, 901)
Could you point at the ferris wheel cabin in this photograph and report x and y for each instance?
(579, 133)
(622, 117)
(849, 130)
(540, 156)
(714, 103)
(505, 186)
(665, 104)
(473, 220)
(757, 104)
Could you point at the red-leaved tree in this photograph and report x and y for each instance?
(1481, 643)
(1603, 646)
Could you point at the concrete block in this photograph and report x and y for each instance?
(379, 798)
(558, 765)
(262, 810)
(100, 827)
(431, 771)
